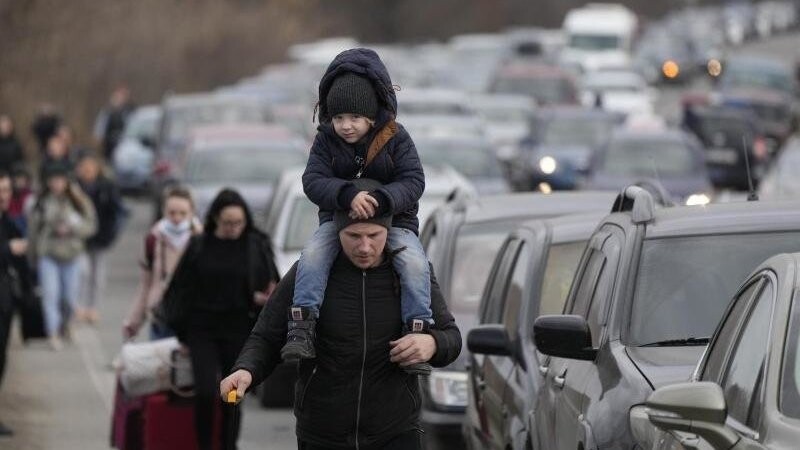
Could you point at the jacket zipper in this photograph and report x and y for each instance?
(364, 350)
(305, 389)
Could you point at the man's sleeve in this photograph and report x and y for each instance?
(262, 351)
(445, 331)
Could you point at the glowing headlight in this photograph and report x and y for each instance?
(448, 388)
(714, 67)
(670, 69)
(698, 200)
(548, 165)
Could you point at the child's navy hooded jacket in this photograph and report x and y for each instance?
(391, 157)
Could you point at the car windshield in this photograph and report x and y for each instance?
(302, 224)
(684, 284)
(756, 76)
(229, 163)
(576, 131)
(471, 159)
(476, 248)
(764, 111)
(562, 261)
(647, 157)
(546, 90)
(446, 109)
(502, 115)
(141, 125)
(594, 41)
(181, 120)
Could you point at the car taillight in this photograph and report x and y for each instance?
(162, 167)
(760, 149)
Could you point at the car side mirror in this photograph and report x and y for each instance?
(697, 408)
(489, 340)
(564, 336)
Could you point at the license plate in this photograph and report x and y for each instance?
(722, 156)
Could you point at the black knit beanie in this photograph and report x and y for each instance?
(352, 94)
(341, 218)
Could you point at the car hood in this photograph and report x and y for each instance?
(257, 196)
(665, 365)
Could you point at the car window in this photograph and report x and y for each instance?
(746, 369)
(562, 262)
(722, 342)
(588, 282)
(515, 291)
(790, 379)
(302, 224)
(598, 308)
(697, 274)
(475, 249)
(495, 294)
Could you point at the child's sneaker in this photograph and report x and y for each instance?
(300, 339)
(417, 326)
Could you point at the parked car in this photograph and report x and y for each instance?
(133, 157)
(443, 126)
(292, 218)
(745, 392)
(772, 108)
(547, 84)
(507, 119)
(461, 240)
(470, 156)
(530, 277)
(650, 288)
(727, 134)
(781, 181)
(183, 113)
(249, 158)
(560, 146)
(619, 90)
(671, 157)
(444, 102)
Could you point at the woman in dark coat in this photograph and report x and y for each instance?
(222, 280)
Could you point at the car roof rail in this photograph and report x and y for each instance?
(640, 199)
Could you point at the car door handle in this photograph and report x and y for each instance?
(560, 380)
(543, 370)
(481, 384)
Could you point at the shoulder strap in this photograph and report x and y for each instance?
(380, 140)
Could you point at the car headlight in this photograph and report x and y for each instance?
(548, 165)
(448, 388)
(698, 200)
(645, 433)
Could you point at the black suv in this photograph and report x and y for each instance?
(649, 291)
(461, 240)
(531, 276)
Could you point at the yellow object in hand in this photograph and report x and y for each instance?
(232, 397)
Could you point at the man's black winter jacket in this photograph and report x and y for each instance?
(351, 394)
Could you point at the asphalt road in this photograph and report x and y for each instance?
(63, 400)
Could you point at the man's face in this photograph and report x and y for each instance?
(5, 193)
(363, 243)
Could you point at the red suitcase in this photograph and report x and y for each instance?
(126, 422)
(169, 424)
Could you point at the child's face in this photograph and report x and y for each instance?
(351, 127)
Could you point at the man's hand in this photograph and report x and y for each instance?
(238, 381)
(18, 247)
(363, 205)
(412, 349)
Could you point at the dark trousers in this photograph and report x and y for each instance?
(410, 440)
(213, 356)
(6, 313)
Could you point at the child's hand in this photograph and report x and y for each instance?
(363, 205)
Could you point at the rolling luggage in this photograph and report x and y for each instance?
(126, 421)
(169, 423)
